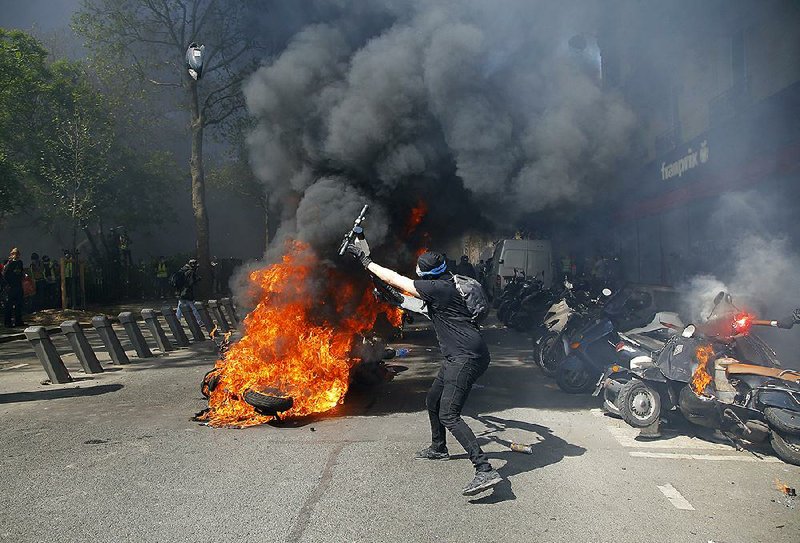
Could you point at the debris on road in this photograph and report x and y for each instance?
(521, 448)
(786, 489)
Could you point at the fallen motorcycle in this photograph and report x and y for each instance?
(699, 374)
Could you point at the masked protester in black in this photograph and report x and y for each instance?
(466, 357)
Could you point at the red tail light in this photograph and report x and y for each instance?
(742, 323)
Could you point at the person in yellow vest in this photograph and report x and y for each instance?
(37, 274)
(162, 277)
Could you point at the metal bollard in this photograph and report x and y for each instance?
(110, 339)
(128, 322)
(194, 326)
(175, 327)
(80, 345)
(227, 303)
(151, 320)
(216, 312)
(47, 354)
(206, 318)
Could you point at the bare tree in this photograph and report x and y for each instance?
(146, 41)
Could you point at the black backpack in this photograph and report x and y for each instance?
(177, 280)
(474, 297)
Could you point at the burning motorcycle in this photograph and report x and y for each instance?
(699, 374)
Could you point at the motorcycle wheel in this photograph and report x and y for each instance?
(550, 353)
(783, 420)
(502, 312)
(269, 401)
(574, 381)
(786, 446)
(639, 405)
(610, 406)
(209, 382)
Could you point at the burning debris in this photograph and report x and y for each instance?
(701, 377)
(785, 489)
(297, 351)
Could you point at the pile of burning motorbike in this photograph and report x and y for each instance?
(714, 374)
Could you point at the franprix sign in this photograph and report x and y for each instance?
(691, 160)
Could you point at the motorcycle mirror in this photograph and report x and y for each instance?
(689, 331)
(718, 298)
(606, 292)
(729, 298)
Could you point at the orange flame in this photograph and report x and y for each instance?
(701, 378)
(418, 213)
(289, 342)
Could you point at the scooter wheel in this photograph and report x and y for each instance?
(609, 405)
(574, 380)
(639, 405)
(783, 420)
(787, 447)
(550, 353)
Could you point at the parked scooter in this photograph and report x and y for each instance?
(569, 314)
(700, 374)
(594, 348)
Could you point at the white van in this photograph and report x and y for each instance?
(532, 256)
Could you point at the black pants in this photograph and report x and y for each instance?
(16, 299)
(445, 401)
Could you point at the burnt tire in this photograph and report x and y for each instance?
(783, 420)
(209, 382)
(269, 401)
(574, 380)
(550, 353)
(787, 447)
(639, 405)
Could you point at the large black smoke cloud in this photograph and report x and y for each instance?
(480, 108)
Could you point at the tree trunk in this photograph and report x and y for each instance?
(203, 288)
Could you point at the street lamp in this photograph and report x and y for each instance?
(194, 60)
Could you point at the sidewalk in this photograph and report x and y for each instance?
(54, 317)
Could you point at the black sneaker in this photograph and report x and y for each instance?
(482, 481)
(430, 454)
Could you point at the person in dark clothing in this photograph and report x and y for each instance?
(465, 353)
(185, 290)
(466, 268)
(13, 272)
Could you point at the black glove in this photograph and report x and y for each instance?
(359, 254)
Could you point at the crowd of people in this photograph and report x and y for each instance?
(74, 282)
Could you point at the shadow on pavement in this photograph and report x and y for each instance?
(16, 397)
(550, 450)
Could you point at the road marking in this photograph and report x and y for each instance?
(713, 457)
(13, 367)
(675, 497)
(626, 436)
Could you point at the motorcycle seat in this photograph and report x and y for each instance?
(751, 369)
(647, 342)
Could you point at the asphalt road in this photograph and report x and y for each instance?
(117, 458)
